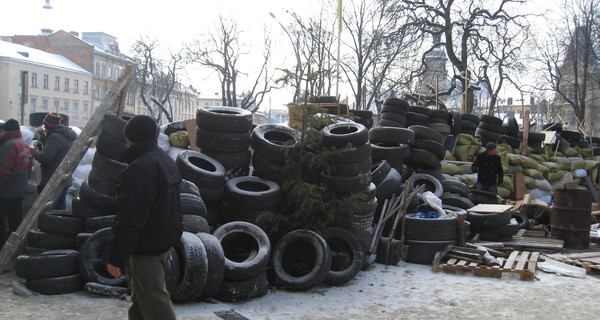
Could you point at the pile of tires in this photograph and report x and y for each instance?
(223, 133)
(193, 209)
(268, 143)
(456, 193)
(574, 138)
(489, 129)
(245, 198)
(364, 117)
(494, 226)
(469, 123)
(510, 133)
(388, 181)
(443, 121)
(535, 141)
(427, 150)
(393, 113)
(50, 272)
(348, 141)
(418, 116)
(391, 144)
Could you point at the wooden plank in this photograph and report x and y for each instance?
(511, 260)
(490, 208)
(522, 261)
(16, 241)
(533, 259)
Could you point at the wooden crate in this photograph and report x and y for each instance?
(524, 263)
(294, 112)
(590, 261)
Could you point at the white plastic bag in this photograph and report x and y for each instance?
(163, 142)
(434, 202)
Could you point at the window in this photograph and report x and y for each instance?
(34, 80)
(97, 71)
(76, 86)
(85, 87)
(45, 105)
(33, 102)
(46, 81)
(56, 105)
(103, 69)
(206, 104)
(66, 108)
(85, 110)
(110, 71)
(97, 92)
(75, 110)
(56, 83)
(66, 84)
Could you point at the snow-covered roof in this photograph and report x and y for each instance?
(18, 52)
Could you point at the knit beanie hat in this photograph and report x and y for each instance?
(141, 128)
(11, 125)
(490, 146)
(52, 120)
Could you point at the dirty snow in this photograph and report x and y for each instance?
(393, 292)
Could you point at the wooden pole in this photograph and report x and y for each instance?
(16, 241)
(525, 133)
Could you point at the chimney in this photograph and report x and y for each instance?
(75, 33)
(46, 31)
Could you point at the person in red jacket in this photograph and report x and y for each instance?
(16, 161)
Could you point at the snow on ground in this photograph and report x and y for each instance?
(394, 292)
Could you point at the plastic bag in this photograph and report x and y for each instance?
(163, 142)
(434, 202)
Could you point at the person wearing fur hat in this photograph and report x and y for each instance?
(56, 142)
(489, 169)
(16, 161)
(149, 220)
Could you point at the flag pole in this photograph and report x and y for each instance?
(339, 41)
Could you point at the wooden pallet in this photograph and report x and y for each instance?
(524, 263)
(588, 261)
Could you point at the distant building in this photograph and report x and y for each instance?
(33, 80)
(436, 73)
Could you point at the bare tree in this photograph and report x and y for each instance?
(469, 31)
(156, 77)
(570, 59)
(221, 50)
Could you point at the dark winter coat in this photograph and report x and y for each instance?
(16, 160)
(57, 144)
(149, 219)
(488, 168)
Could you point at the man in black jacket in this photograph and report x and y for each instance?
(489, 169)
(149, 220)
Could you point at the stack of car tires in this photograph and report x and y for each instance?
(418, 116)
(223, 133)
(456, 194)
(268, 142)
(427, 150)
(364, 117)
(442, 121)
(50, 272)
(510, 133)
(489, 129)
(494, 226)
(391, 144)
(469, 123)
(247, 197)
(393, 113)
(425, 237)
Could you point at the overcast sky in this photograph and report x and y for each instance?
(172, 22)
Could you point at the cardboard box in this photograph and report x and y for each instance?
(520, 188)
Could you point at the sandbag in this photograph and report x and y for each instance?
(555, 176)
(507, 183)
(571, 152)
(515, 159)
(449, 156)
(503, 192)
(180, 139)
(533, 173)
(464, 139)
(462, 152)
(543, 169)
(450, 168)
(529, 163)
(543, 184)
(469, 179)
(553, 166)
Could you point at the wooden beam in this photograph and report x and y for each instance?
(123, 97)
(525, 133)
(16, 241)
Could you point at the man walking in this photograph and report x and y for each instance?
(489, 169)
(149, 220)
(56, 141)
(16, 160)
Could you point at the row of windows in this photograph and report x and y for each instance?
(111, 71)
(66, 83)
(56, 107)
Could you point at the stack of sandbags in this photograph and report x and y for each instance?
(467, 148)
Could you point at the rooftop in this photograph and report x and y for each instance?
(21, 53)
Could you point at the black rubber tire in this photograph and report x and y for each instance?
(540, 136)
(394, 153)
(269, 140)
(267, 170)
(235, 291)
(363, 114)
(173, 127)
(349, 155)
(95, 199)
(387, 108)
(508, 229)
(80, 239)
(455, 122)
(482, 198)
(194, 264)
(513, 126)
(97, 182)
(392, 116)
(458, 201)
(301, 260)
(339, 135)
(414, 118)
(470, 117)
(491, 236)
(202, 170)
(47, 264)
(389, 185)
(83, 211)
(396, 102)
(113, 126)
(252, 193)
(352, 169)
(222, 141)
(423, 252)
(60, 221)
(553, 127)
(422, 159)
(468, 126)
(489, 126)
(105, 290)
(439, 120)
(420, 110)
(224, 119)
(513, 142)
(192, 204)
(194, 224)
(109, 169)
(348, 185)
(216, 265)
(489, 135)
(423, 132)
(57, 285)
(491, 119)
(440, 113)
(392, 135)
(434, 147)
(246, 247)
(457, 187)
(441, 128)
(521, 219)
(386, 123)
(430, 229)
(230, 160)
(379, 171)
(346, 255)
(50, 241)
(110, 147)
(173, 271)
(93, 258)
(92, 225)
(431, 184)
(230, 213)
(189, 187)
(488, 220)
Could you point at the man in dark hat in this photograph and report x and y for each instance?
(57, 140)
(489, 169)
(149, 220)
(16, 160)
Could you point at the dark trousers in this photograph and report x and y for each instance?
(149, 294)
(486, 187)
(11, 215)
